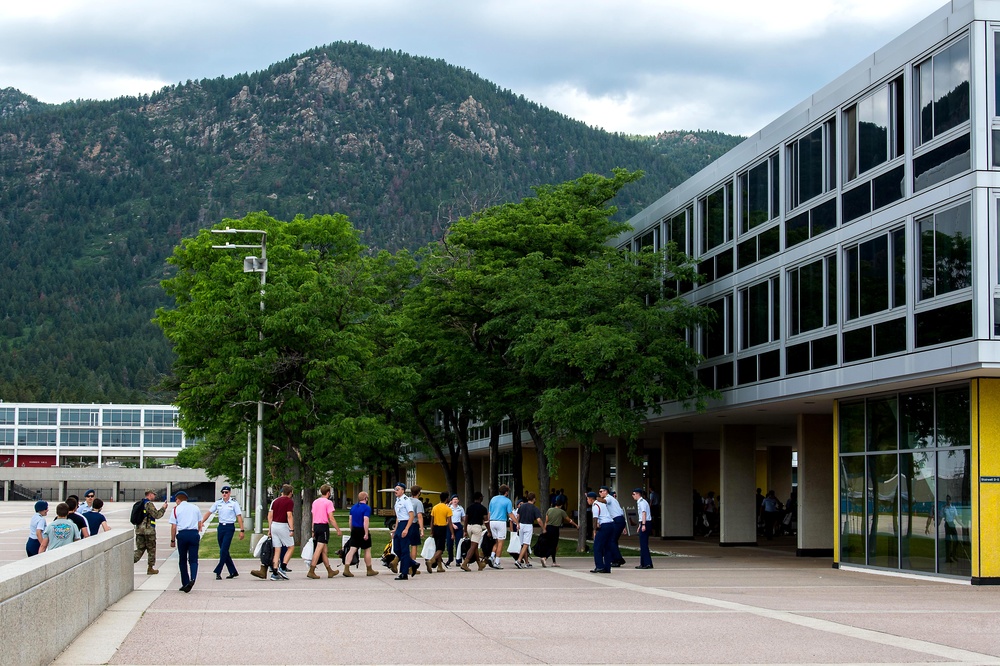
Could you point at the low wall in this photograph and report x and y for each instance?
(47, 600)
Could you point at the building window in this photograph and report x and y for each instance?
(34, 437)
(811, 165)
(163, 438)
(122, 417)
(906, 481)
(121, 438)
(78, 417)
(7, 436)
(716, 216)
(942, 91)
(812, 295)
(6, 416)
(760, 313)
(78, 437)
(717, 337)
(677, 229)
(873, 130)
(945, 251)
(876, 275)
(37, 416)
(646, 240)
(759, 200)
(160, 418)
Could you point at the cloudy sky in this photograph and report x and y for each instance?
(635, 66)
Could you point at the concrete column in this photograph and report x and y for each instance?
(815, 487)
(779, 471)
(170, 490)
(63, 491)
(676, 466)
(116, 490)
(738, 517)
(7, 487)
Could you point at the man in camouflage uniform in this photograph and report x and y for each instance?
(145, 532)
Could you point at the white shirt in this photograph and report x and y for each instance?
(457, 513)
(227, 510)
(83, 508)
(614, 507)
(185, 516)
(403, 508)
(642, 510)
(37, 523)
(602, 513)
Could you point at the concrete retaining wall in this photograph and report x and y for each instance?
(47, 600)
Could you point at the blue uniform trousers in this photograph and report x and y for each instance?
(603, 540)
(401, 545)
(644, 558)
(616, 553)
(225, 534)
(187, 554)
(453, 542)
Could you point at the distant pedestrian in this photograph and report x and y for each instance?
(87, 505)
(528, 515)
(281, 527)
(73, 502)
(772, 511)
(322, 517)
(604, 526)
(475, 523)
(401, 537)
(441, 527)
(185, 534)
(457, 530)
(644, 518)
(145, 532)
(501, 513)
(229, 514)
(555, 518)
(618, 518)
(36, 528)
(96, 521)
(361, 538)
(61, 531)
(416, 535)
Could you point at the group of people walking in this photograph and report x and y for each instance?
(74, 521)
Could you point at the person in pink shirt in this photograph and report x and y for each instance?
(322, 515)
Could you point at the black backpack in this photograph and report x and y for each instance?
(267, 551)
(138, 512)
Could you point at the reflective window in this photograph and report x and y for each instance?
(6, 416)
(945, 251)
(954, 505)
(33, 437)
(876, 275)
(944, 324)
(714, 339)
(122, 417)
(116, 438)
(873, 129)
(84, 417)
(160, 417)
(852, 509)
(716, 214)
(37, 416)
(812, 295)
(760, 313)
(942, 91)
(916, 507)
(758, 194)
(883, 502)
(163, 438)
(811, 165)
(79, 437)
(7, 436)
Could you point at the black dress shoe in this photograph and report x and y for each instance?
(604, 571)
(616, 564)
(596, 570)
(402, 576)
(218, 576)
(231, 576)
(187, 588)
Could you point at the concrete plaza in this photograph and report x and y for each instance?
(712, 606)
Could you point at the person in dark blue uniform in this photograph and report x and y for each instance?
(401, 537)
(229, 515)
(603, 527)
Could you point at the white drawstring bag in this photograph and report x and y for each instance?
(429, 548)
(515, 544)
(307, 551)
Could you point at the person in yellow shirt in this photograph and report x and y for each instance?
(440, 524)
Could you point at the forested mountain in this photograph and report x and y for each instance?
(94, 195)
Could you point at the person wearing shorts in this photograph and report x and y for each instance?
(475, 518)
(322, 515)
(441, 526)
(528, 515)
(501, 512)
(361, 538)
(280, 527)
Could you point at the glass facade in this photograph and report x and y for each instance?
(905, 485)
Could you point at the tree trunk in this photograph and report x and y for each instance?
(581, 534)
(470, 482)
(543, 467)
(516, 459)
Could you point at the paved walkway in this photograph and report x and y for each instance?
(716, 606)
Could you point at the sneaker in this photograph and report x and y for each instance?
(275, 576)
(518, 564)
(528, 564)
(281, 573)
(492, 564)
(285, 570)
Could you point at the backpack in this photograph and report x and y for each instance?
(138, 512)
(266, 551)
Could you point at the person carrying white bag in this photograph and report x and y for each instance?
(322, 515)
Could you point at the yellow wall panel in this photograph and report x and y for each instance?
(985, 463)
(836, 482)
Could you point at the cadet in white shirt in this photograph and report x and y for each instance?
(185, 534)
(229, 514)
(401, 536)
(458, 520)
(645, 518)
(618, 516)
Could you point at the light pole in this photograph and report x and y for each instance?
(254, 265)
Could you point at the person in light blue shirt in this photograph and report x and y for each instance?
(401, 536)
(36, 528)
(229, 513)
(501, 512)
(645, 519)
(618, 518)
(603, 527)
(185, 533)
